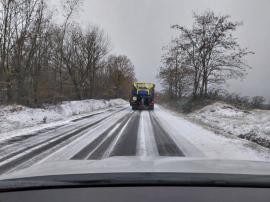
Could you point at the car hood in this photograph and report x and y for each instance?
(143, 165)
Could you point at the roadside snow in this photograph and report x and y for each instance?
(252, 125)
(17, 117)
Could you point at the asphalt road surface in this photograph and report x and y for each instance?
(115, 132)
(120, 131)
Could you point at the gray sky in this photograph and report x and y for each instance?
(140, 28)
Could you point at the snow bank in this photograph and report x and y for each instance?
(252, 125)
(16, 116)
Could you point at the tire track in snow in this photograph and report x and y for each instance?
(176, 132)
(88, 151)
(126, 142)
(146, 143)
(25, 155)
(165, 144)
(70, 150)
(105, 149)
(12, 150)
(5, 143)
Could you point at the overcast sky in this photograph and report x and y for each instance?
(140, 28)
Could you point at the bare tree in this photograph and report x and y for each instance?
(213, 54)
(121, 74)
(41, 61)
(8, 12)
(70, 7)
(174, 73)
(84, 51)
(96, 46)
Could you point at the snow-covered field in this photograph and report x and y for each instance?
(14, 117)
(252, 125)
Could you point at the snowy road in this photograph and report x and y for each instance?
(119, 131)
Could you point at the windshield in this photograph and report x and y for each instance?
(101, 86)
